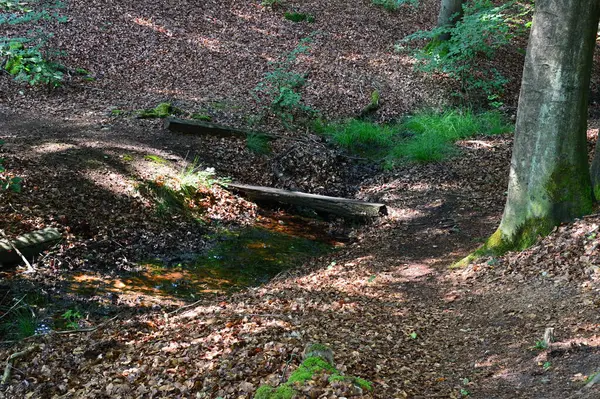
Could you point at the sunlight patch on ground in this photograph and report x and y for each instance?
(213, 45)
(148, 23)
(111, 181)
(50, 148)
(415, 271)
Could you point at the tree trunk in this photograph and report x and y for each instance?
(595, 171)
(549, 181)
(450, 12)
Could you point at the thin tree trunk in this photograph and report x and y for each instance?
(450, 12)
(549, 180)
(595, 171)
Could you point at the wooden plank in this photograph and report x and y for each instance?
(30, 245)
(332, 205)
(208, 128)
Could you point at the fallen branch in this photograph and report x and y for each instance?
(208, 128)
(332, 205)
(83, 330)
(11, 360)
(30, 269)
(26, 246)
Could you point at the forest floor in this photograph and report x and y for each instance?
(385, 299)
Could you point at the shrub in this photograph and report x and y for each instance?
(392, 5)
(483, 29)
(24, 57)
(29, 65)
(279, 89)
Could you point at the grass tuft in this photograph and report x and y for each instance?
(427, 136)
(258, 143)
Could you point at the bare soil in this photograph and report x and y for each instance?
(385, 302)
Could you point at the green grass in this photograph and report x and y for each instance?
(393, 5)
(258, 143)
(427, 136)
(360, 137)
(299, 17)
(157, 159)
(182, 193)
(18, 323)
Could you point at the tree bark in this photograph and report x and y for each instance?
(595, 171)
(450, 12)
(549, 181)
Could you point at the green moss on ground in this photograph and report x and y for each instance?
(306, 372)
(162, 110)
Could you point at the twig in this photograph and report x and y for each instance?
(10, 361)
(82, 330)
(30, 269)
(191, 305)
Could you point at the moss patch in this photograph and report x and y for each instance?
(162, 110)
(306, 372)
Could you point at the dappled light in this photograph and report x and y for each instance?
(258, 199)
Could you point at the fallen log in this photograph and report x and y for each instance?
(30, 245)
(209, 128)
(332, 205)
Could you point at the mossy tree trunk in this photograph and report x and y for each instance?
(450, 12)
(549, 180)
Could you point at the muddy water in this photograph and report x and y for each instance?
(236, 259)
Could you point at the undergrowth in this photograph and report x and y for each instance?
(472, 43)
(26, 58)
(188, 193)
(427, 136)
(393, 5)
(278, 93)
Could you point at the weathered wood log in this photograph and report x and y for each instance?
(332, 205)
(29, 245)
(209, 128)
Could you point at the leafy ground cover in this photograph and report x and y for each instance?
(384, 301)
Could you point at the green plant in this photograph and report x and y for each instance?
(271, 3)
(187, 193)
(18, 321)
(474, 39)
(393, 5)
(24, 57)
(430, 135)
(299, 17)
(157, 159)
(364, 138)
(258, 143)
(547, 366)
(7, 180)
(71, 318)
(201, 117)
(162, 110)
(29, 65)
(11, 5)
(427, 136)
(279, 89)
(540, 345)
